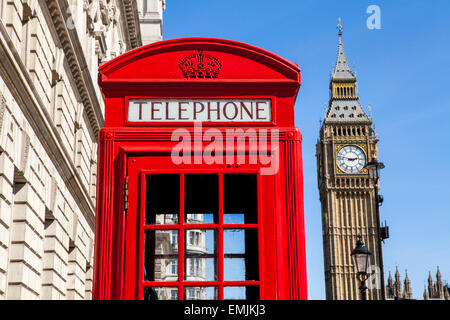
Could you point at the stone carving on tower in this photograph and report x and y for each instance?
(347, 193)
(394, 289)
(437, 290)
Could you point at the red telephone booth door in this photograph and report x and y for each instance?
(200, 232)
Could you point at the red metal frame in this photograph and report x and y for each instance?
(129, 150)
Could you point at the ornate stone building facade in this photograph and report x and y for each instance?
(394, 290)
(436, 290)
(347, 193)
(50, 113)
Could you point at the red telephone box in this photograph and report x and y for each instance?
(200, 185)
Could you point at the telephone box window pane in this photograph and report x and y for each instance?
(233, 218)
(201, 202)
(241, 293)
(162, 199)
(161, 255)
(241, 254)
(200, 255)
(201, 293)
(239, 198)
(160, 293)
(234, 269)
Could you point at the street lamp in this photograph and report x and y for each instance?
(360, 256)
(374, 168)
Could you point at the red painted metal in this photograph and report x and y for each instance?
(128, 151)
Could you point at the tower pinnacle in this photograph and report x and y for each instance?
(339, 26)
(342, 70)
(344, 106)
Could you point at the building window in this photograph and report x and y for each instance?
(174, 266)
(191, 237)
(197, 238)
(174, 238)
(197, 267)
(191, 269)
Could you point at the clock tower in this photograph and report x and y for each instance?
(347, 192)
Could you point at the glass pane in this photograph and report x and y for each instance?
(201, 293)
(161, 293)
(239, 198)
(199, 218)
(162, 199)
(201, 203)
(161, 255)
(241, 254)
(233, 218)
(241, 293)
(200, 255)
(234, 269)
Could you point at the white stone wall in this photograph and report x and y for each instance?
(150, 19)
(50, 112)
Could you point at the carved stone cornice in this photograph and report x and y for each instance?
(131, 27)
(78, 66)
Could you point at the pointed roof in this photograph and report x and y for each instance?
(390, 281)
(425, 293)
(406, 277)
(342, 70)
(397, 275)
(344, 109)
(349, 110)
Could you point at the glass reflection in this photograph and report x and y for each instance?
(201, 204)
(162, 199)
(200, 255)
(239, 198)
(160, 293)
(161, 255)
(201, 293)
(241, 293)
(241, 254)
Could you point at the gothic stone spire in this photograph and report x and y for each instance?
(407, 290)
(344, 106)
(342, 70)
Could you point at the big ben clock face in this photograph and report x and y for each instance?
(351, 159)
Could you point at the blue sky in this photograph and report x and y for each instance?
(403, 72)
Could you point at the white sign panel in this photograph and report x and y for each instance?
(217, 110)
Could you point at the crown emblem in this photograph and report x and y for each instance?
(200, 65)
